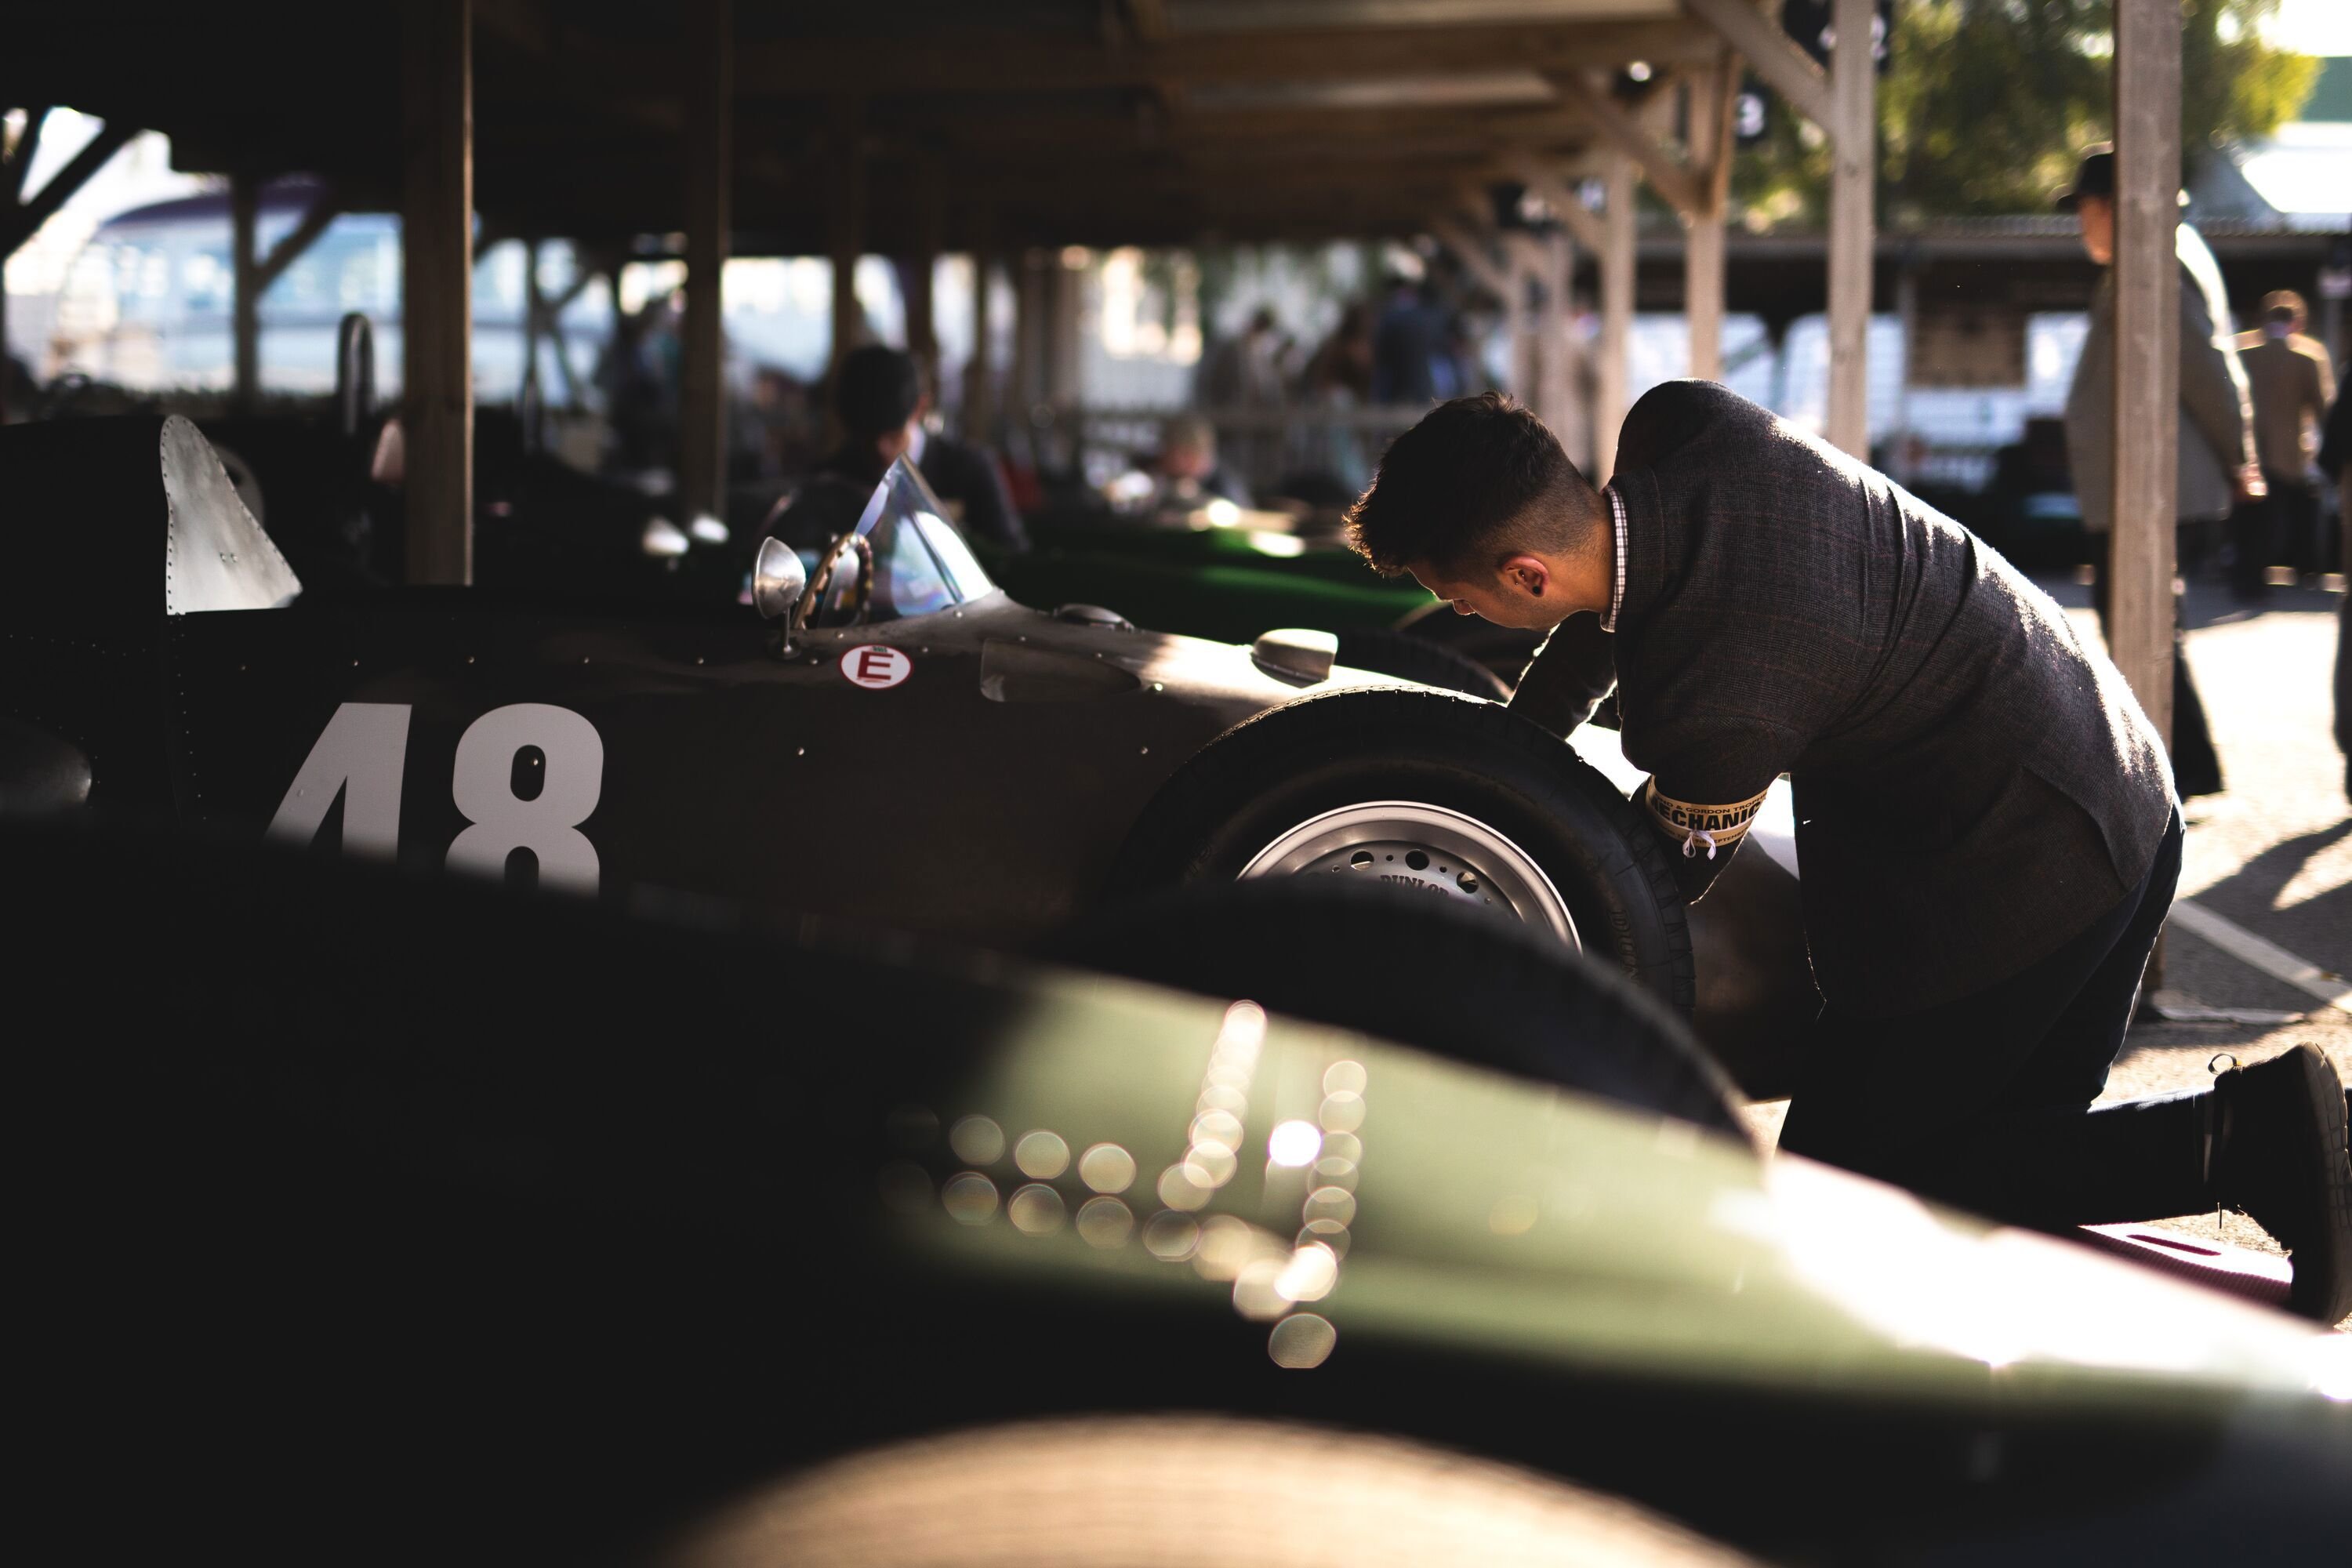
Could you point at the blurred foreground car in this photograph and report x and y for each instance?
(480, 1229)
(896, 741)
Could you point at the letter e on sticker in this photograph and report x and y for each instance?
(875, 667)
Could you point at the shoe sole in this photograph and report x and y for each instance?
(2324, 1292)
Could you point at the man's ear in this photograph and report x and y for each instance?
(1528, 574)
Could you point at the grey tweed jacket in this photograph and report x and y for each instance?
(1972, 786)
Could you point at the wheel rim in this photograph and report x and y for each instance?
(1411, 843)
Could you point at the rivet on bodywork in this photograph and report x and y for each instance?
(1158, 687)
(800, 751)
(1146, 751)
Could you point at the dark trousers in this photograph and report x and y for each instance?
(1985, 1102)
(2195, 765)
(2281, 528)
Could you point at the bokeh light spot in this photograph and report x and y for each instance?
(971, 1197)
(1170, 1238)
(1104, 1222)
(1512, 1216)
(977, 1141)
(1041, 1155)
(1107, 1168)
(1294, 1143)
(1037, 1210)
(1302, 1340)
(1341, 1112)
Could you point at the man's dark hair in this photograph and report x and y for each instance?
(876, 390)
(1478, 479)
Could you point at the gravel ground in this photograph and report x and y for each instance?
(2273, 853)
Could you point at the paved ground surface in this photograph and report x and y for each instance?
(2273, 853)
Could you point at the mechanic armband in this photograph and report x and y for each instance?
(1700, 827)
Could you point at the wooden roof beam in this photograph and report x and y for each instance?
(1470, 250)
(1000, 62)
(1787, 69)
(19, 226)
(1617, 124)
(1548, 187)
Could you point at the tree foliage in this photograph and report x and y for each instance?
(1986, 103)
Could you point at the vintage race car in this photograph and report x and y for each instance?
(428, 1221)
(897, 742)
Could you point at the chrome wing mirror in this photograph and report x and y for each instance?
(778, 581)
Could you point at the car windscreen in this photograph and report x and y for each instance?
(921, 563)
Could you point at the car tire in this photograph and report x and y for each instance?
(1440, 976)
(1181, 1491)
(1386, 652)
(1275, 776)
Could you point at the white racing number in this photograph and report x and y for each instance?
(361, 752)
(359, 755)
(548, 825)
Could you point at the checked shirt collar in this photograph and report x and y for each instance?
(1617, 593)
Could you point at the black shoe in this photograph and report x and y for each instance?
(2283, 1163)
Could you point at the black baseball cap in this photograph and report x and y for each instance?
(2095, 176)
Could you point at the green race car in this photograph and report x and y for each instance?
(414, 1217)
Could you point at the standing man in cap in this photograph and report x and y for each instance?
(1989, 837)
(2217, 465)
(2293, 384)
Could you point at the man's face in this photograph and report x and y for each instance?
(2097, 217)
(1521, 594)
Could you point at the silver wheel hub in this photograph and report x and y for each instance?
(1409, 844)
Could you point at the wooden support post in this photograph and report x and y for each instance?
(845, 231)
(2146, 348)
(1519, 349)
(1065, 349)
(1708, 106)
(1610, 397)
(710, 180)
(979, 384)
(1022, 391)
(1907, 312)
(1559, 384)
(1854, 140)
(922, 332)
(245, 281)
(438, 288)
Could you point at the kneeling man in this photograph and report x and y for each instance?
(1986, 821)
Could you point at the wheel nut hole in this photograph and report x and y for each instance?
(1361, 858)
(1466, 882)
(1417, 860)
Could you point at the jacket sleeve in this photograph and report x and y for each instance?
(1571, 673)
(2213, 383)
(1709, 774)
